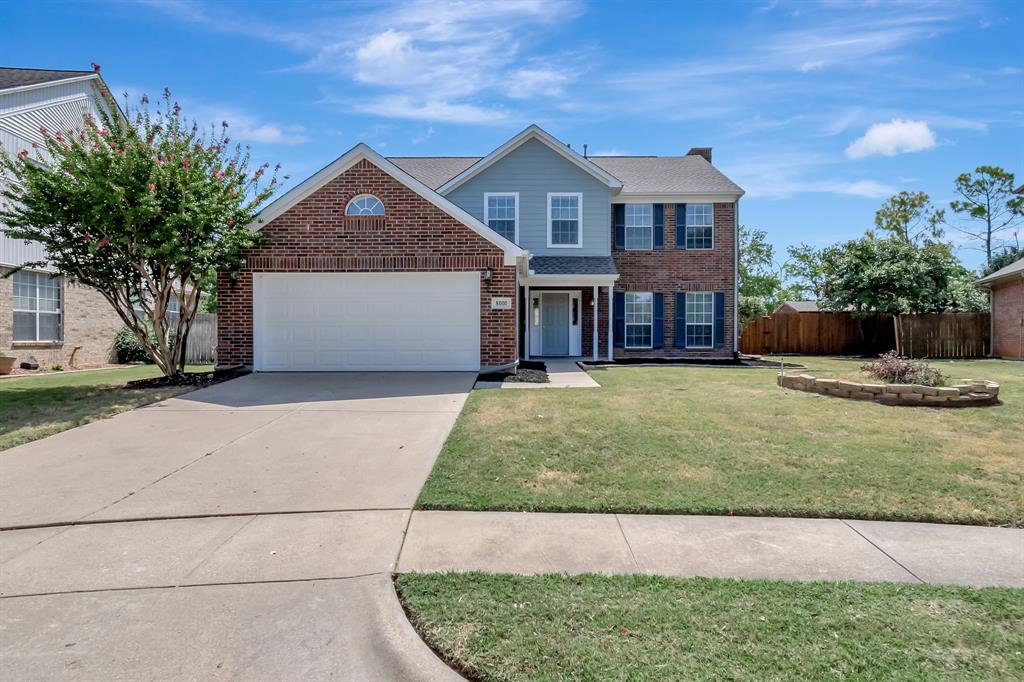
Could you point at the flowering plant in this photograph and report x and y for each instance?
(143, 206)
(894, 369)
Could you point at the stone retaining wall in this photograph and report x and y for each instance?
(970, 392)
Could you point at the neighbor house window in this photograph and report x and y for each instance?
(639, 226)
(700, 226)
(36, 307)
(365, 204)
(700, 318)
(564, 217)
(501, 213)
(639, 319)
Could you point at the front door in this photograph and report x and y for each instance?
(555, 323)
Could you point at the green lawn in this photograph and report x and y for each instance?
(501, 627)
(33, 407)
(711, 440)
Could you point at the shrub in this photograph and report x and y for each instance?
(128, 348)
(57, 368)
(894, 369)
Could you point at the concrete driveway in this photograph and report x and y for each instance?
(244, 531)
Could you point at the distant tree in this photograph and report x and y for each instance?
(1010, 254)
(910, 217)
(143, 209)
(990, 210)
(803, 272)
(760, 284)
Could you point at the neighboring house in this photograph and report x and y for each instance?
(1006, 301)
(42, 316)
(793, 307)
(463, 263)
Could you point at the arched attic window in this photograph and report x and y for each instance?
(364, 204)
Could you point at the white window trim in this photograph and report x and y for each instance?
(625, 333)
(626, 245)
(37, 312)
(687, 323)
(579, 218)
(687, 229)
(487, 217)
(364, 215)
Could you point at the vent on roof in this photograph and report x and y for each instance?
(700, 151)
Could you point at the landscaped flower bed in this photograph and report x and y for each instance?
(970, 392)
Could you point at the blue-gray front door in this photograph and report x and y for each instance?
(555, 323)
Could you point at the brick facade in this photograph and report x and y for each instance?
(413, 236)
(671, 270)
(89, 324)
(1008, 318)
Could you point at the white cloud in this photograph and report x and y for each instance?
(862, 188)
(815, 65)
(531, 82)
(408, 107)
(898, 136)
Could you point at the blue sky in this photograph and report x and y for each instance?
(819, 110)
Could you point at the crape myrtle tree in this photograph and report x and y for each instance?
(143, 207)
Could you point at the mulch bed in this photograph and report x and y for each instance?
(527, 372)
(196, 379)
(697, 362)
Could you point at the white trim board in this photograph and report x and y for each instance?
(579, 220)
(46, 84)
(533, 132)
(363, 151)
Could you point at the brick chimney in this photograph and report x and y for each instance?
(700, 151)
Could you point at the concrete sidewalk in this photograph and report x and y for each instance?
(723, 547)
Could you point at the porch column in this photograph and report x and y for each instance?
(611, 341)
(597, 304)
(526, 319)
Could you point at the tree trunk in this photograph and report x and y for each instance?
(896, 329)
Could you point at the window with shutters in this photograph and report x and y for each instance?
(639, 227)
(501, 213)
(565, 215)
(36, 306)
(639, 313)
(700, 319)
(700, 220)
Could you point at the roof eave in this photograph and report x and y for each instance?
(45, 84)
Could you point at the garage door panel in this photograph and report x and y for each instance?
(367, 321)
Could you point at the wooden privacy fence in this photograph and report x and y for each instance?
(941, 335)
(202, 339)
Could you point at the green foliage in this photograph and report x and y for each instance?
(910, 217)
(989, 207)
(57, 367)
(803, 272)
(760, 284)
(128, 348)
(141, 209)
(1010, 254)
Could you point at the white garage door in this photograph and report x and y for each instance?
(366, 321)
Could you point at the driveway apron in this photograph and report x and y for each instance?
(243, 531)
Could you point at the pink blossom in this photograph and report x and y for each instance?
(232, 190)
(86, 236)
(186, 163)
(59, 137)
(103, 243)
(151, 187)
(104, 133)
(222, 175)
(231, 222)
(23, 154)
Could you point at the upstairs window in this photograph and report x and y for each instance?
(501, 213)
(565, 213)
(639, 227)
(700, 318)
(36, 306)
(700, 219)
(365, 204)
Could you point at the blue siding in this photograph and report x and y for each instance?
(533, 170)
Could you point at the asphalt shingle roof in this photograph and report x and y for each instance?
(573, 265)
(802, 306)
(16, 78)
(638, 174)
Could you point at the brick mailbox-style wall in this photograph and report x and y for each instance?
(414, 235)
(672, 270)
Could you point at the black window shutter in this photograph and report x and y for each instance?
(619, 316)
(658, 332)
(659, 226)
(680, 340)
(719, 319)
(620, 226)
(680, 226)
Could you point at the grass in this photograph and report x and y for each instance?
(502, 627)
(702, 440)
(34, 407)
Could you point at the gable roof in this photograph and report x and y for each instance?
(1015, 268)
(363, 151)
(12, 78)
(690, 174)
(433, 171)
(800, 306)
(533, 132)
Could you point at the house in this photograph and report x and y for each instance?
(42, 316)
(794, 307)
(1006, 303)
(463, 263)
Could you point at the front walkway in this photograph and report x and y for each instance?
(723, 547)
(244, 531)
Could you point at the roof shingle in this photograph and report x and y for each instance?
(573, 265)
(15, 78)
